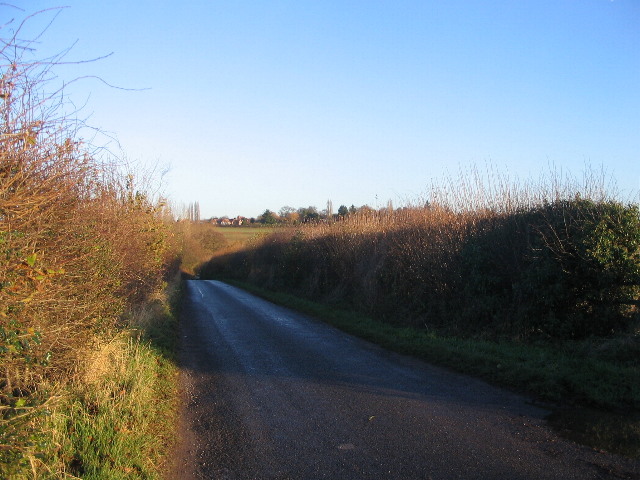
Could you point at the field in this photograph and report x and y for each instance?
(239, 236)
(202, 241)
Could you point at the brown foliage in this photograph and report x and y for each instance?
(519, 262)
(79, 244)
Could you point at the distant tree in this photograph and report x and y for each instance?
(293, 217)
(286, 210)
(268, 218)
(193, 212)
(308, 214)
(289, 214)
(365, 210)
(343, 211)
(352, 209)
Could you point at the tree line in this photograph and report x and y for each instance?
(289, 215)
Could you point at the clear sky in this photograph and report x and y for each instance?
(260, 104)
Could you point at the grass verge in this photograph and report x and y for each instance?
(590, 394)
(116, 419)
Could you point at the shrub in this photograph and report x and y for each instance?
(584, 268)
(79, 244)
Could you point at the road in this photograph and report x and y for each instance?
(272, 394)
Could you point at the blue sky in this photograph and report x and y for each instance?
(261, 104)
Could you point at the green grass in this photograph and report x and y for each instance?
(121, 420)
(116, 425)
(117, 418)
(238, 236)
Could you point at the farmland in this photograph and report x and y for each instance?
(239, 236)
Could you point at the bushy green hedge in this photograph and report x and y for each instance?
(569, 269)
(584, 270)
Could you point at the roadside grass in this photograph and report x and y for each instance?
(116, 419)
(112, 426)
(568, 377)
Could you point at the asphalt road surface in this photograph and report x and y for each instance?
(272, 394)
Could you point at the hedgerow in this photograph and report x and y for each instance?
(558, 267)
(80, 244)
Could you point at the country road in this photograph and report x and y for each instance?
(272, 394)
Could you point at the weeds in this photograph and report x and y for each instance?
(112, 429)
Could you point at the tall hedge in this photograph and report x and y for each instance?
(563, 269)
(79, 244)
